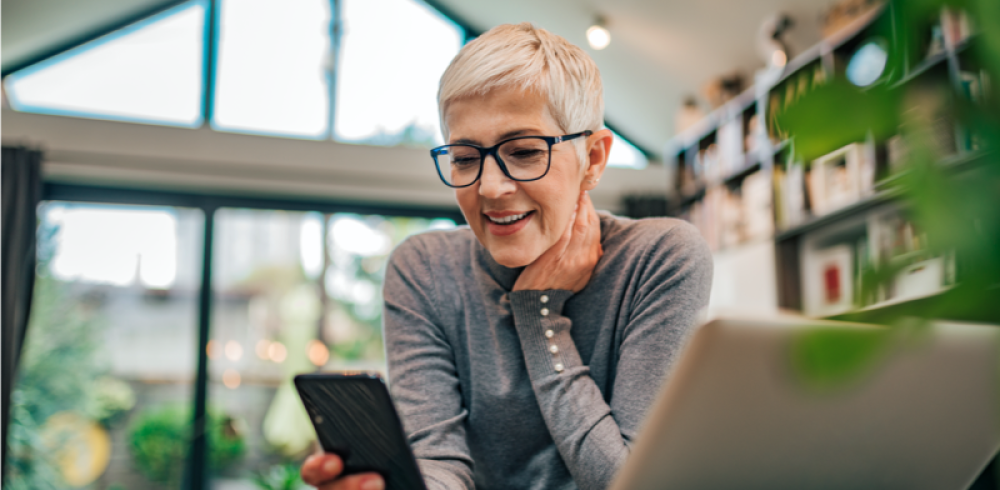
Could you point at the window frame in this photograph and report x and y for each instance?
(210, 45)
(196, 463)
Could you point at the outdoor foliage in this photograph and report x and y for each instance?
(59, 366)
(279, 477)
(159, 440)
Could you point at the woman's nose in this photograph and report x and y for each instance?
(493, 183)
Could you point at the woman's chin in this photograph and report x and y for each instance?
(512, 259)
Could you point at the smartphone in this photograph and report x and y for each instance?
(355, 419)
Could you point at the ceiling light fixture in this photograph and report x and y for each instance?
(598, 35)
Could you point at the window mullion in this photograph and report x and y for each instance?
(336, 28)
(211, 44)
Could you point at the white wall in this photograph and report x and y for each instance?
(202, 160)
(744, 280)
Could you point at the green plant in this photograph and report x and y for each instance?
(112, 400)
(279, 477)
(957, 208)
(160, 437)
(58, 365)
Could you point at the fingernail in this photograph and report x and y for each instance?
(331, 466)
(374, 483)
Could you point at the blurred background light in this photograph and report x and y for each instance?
(598, 35)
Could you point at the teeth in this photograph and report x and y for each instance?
(507, 219)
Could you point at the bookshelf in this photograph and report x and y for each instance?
(738, 177)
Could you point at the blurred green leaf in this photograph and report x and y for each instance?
(826, 359)
(836, 114)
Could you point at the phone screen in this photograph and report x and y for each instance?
(354, 418)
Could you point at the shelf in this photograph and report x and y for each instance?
(750, 165)
(817, 222)
(921, 68)
(963, 160)
(964, 44)
(882, 195)
(691, 136)
(946, 304)
(780, 146)
(953, 163)
(851, 30)
(687, 200)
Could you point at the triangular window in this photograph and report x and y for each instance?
(624, 154)
(149, 72)
(273, 73)
(391, 58)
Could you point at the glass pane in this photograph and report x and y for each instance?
(624, 154)
(272, 75)
(148, 72)
(391, 58)
(103, 394)
(289, 301)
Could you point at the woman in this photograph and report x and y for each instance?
(525, 348)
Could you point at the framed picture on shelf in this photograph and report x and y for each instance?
(835, 179)
(827, 281)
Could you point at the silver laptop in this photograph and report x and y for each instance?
(804, 404)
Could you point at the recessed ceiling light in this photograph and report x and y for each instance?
(598, 35)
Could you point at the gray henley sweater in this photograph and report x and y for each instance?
(536, 389)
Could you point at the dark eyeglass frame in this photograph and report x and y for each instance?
(484, 152)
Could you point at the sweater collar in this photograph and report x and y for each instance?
(505, 277)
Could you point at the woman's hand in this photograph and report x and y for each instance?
(323, 472)
(570, 263)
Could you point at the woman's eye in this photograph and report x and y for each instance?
(526, 153)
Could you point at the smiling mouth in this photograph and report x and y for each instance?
(506, 220)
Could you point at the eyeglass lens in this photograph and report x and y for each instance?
(526, 159)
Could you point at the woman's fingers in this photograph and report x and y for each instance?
(582, 215)
(323, 472)
(588, 226)
(321, 468)
(570, 262)
(360, 481)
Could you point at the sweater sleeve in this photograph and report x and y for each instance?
(593, 435)
(423, 378)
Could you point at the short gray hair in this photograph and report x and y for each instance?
(531, 59)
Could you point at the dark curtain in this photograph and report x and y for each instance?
(22, 191)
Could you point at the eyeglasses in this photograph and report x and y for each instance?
(524, 158)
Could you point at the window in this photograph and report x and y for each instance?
(103, 398)
(294, 292)
(273, 74)
(103, 391)
(148, 72)
(391, 58)
(625, 155)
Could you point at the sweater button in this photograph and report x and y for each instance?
(544, 299)
(559, 367)
(545, 312)
(554, 349)
(549, 334)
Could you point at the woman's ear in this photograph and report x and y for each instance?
(598, 150)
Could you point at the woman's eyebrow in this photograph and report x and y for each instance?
(507, 135)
